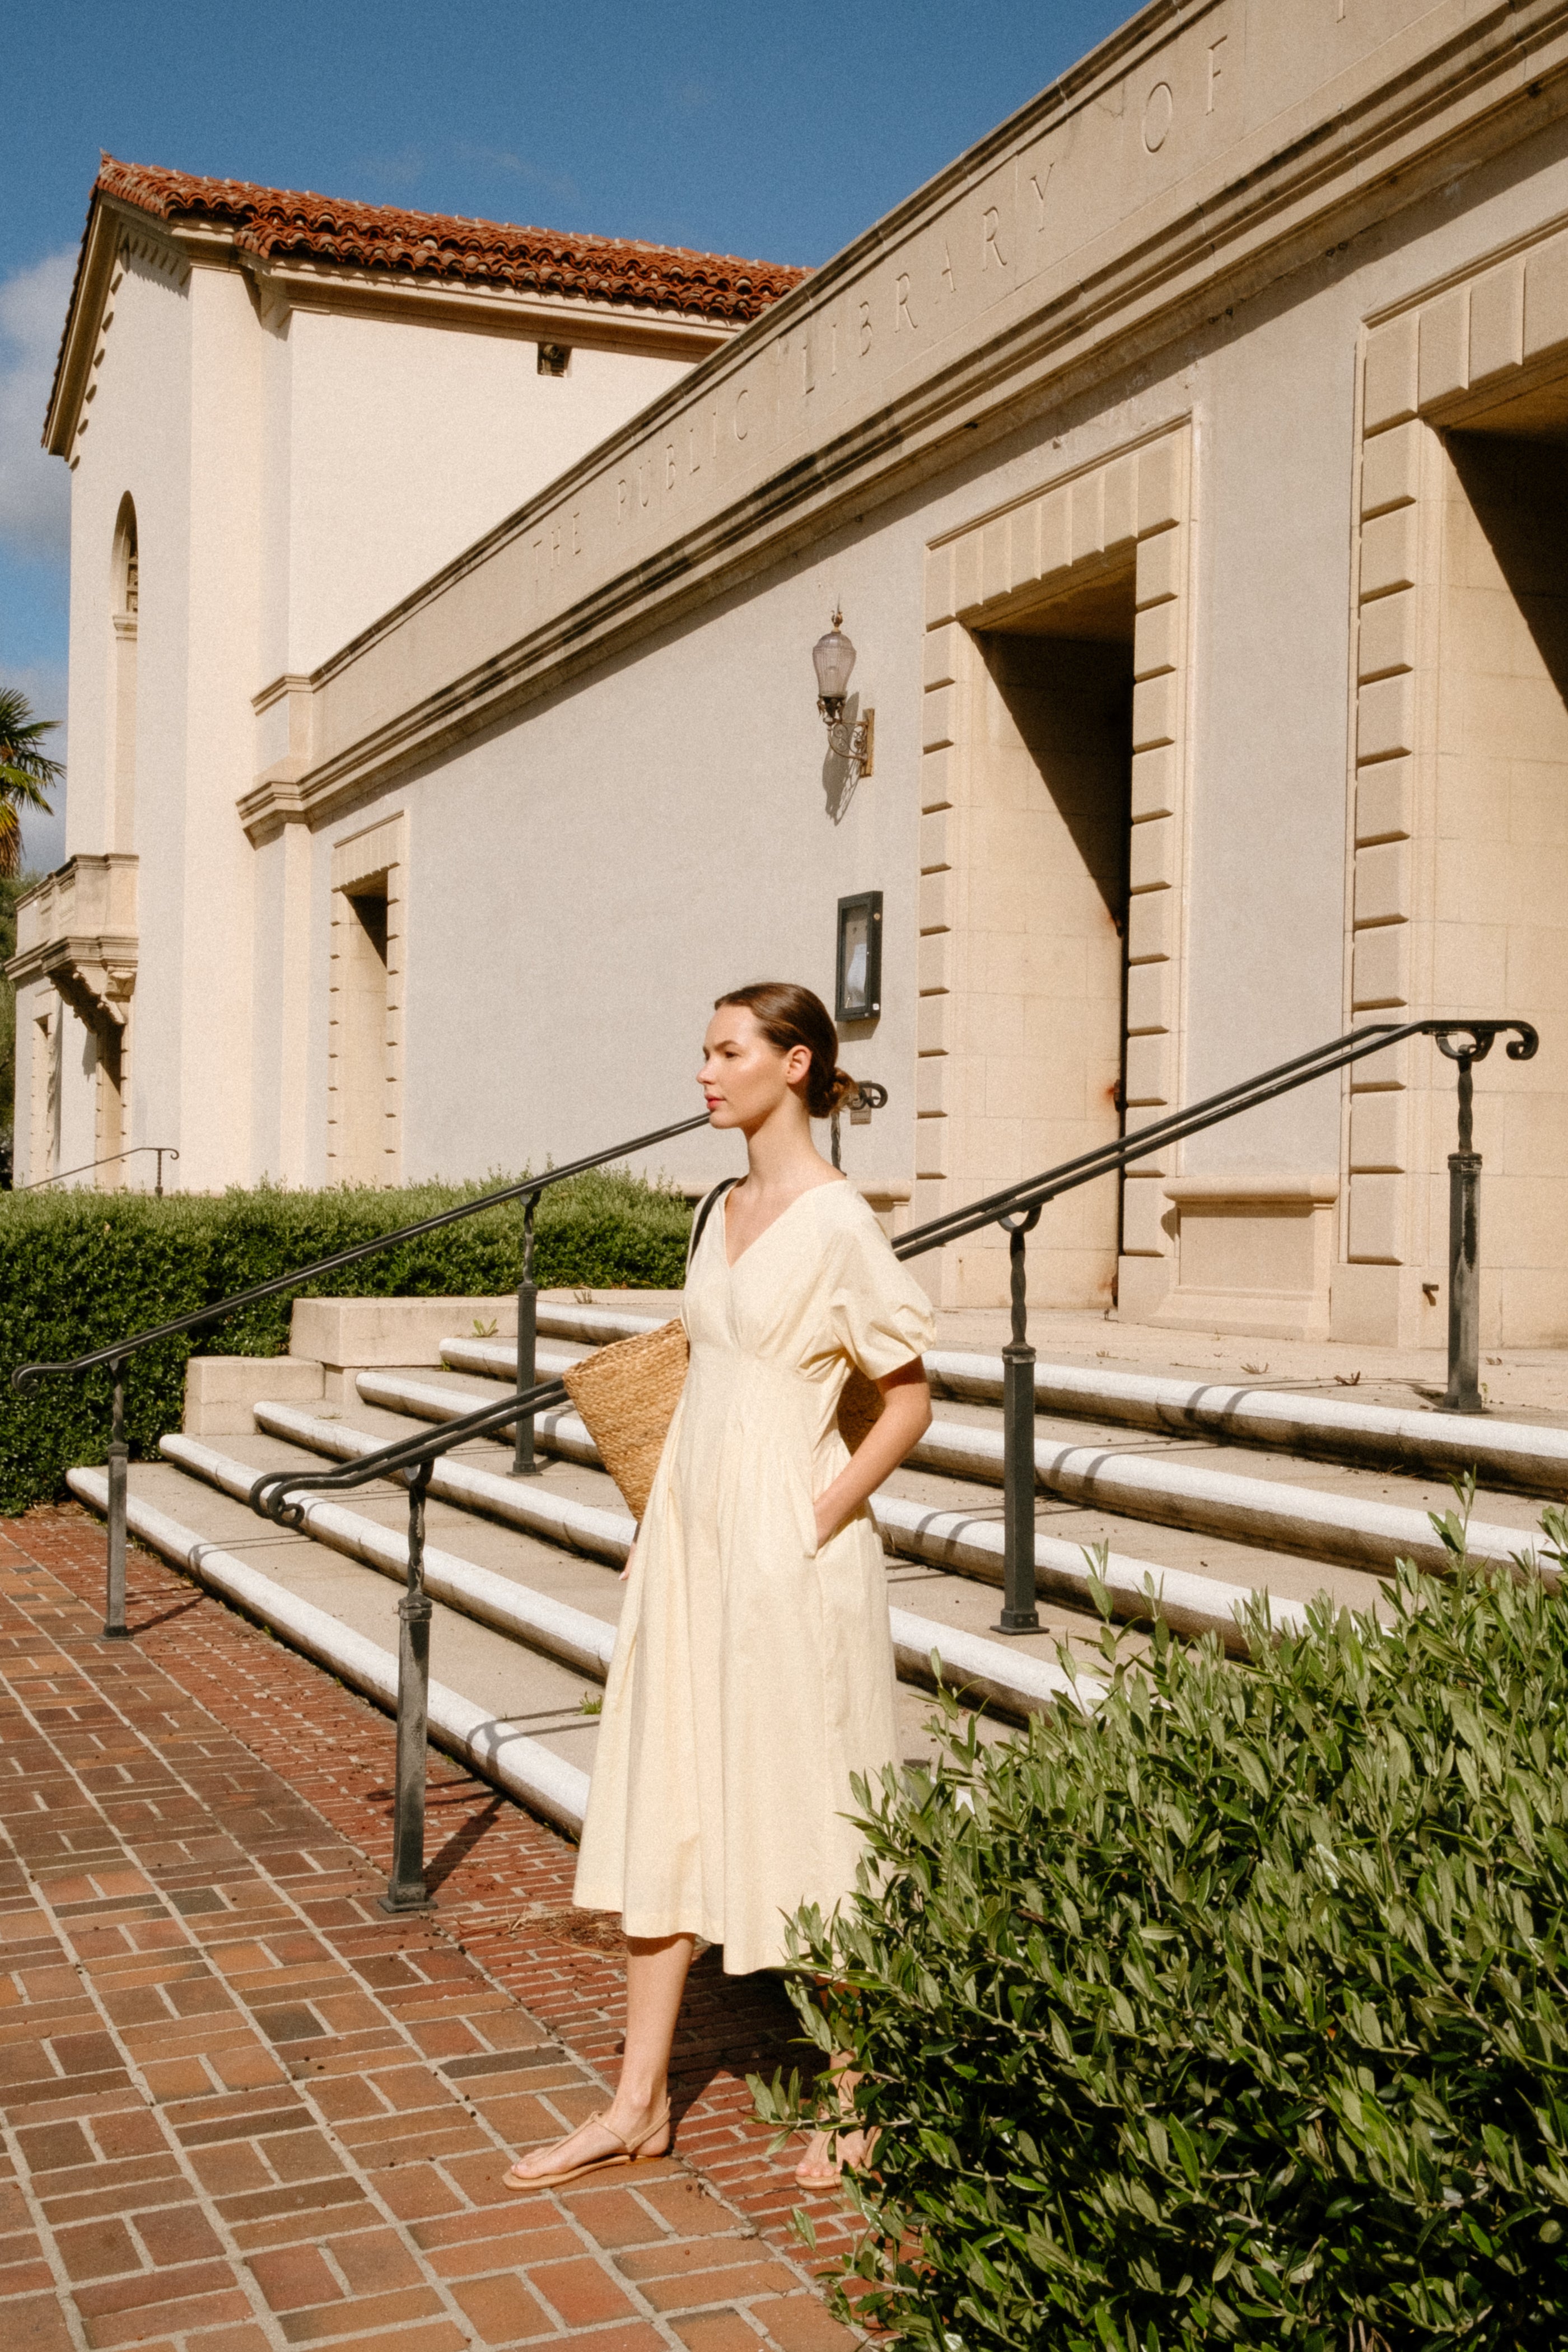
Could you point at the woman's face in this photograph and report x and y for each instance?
(743, 1077)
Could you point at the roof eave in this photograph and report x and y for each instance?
(108, 219)
(584, 320)
(94, 265)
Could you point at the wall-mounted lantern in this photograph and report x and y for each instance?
(858, 990)
(832, 658)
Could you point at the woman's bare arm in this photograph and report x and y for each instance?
(904, 1419)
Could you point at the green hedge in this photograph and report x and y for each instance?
(80, 1269)
(1237, 2013)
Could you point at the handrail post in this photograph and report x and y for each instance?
(1020, 1613)
(115, 1628)
(523, 1465)
(406, 1887)
(1463, 1391)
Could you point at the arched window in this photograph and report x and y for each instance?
(126, 582)
(119, 816)
(125, 601)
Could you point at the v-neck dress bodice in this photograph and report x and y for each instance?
(753, 1675)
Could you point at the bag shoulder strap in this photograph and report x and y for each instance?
(706, 1207)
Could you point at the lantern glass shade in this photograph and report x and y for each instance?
(834, 658)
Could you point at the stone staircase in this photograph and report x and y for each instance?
(1203, 1492)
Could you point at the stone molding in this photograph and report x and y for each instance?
(283, 712)
(489, 310)
(1256, 1185)
(1254, 1252)
(378, 851)
(76, 931)
(1133, 506)
(1477, 339)
(996, 291)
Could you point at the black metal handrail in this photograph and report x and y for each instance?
(272, 1492)
(163, 1151)
(1019, 1206)
(1247, 1094)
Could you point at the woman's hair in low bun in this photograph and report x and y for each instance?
(789, 1015)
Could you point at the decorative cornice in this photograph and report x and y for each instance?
(815, 408)
(272, 802)
(477, 308)
(78, 933)
(94, 971)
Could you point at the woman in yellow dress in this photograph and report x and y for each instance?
(754, 1675)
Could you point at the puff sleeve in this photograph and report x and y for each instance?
(881, 1316)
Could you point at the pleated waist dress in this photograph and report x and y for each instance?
(754, 1675)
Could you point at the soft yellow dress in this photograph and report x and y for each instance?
(753, 1673)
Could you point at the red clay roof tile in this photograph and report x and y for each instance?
(288, 224)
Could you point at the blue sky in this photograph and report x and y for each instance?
(776, 129)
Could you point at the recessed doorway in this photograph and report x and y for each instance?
(1052, 818)
(1501, 934)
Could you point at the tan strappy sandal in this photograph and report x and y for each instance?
(626, 2151)
(835, 2166)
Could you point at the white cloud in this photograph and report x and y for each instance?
(35, 489)
(44, 838)
(504, 159)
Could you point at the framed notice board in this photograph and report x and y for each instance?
(859, 989)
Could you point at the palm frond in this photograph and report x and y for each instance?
(27, 771)
(25, 768)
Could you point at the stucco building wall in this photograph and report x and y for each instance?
(397, 449)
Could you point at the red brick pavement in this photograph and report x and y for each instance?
(243, 2108)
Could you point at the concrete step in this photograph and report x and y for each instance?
(958, 1541)
(539, 1622)
(1516, 1456)
(491, 1742)
(1019, 1684)
(1345, 1524)
(513, 1671)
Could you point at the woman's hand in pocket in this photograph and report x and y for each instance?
(905, 1418)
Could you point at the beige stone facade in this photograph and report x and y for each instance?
(1052, 853)
(1190, 460)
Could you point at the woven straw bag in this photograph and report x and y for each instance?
(627, 1394)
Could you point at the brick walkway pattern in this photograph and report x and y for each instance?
(244, 2109)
